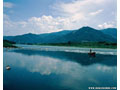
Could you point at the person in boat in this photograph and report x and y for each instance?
(91, 53)
(90, 50)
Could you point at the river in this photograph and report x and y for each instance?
(58, 68)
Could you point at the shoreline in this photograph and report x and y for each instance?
(66, 46)
(105, 51)
(76, 46)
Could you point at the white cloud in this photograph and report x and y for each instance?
(43, 24)
(96, 12)
(8, 4)
(71, 15)
(106, 25)
(81, 11)
(81, 7)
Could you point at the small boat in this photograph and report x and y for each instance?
(8, 67)
(92, 54)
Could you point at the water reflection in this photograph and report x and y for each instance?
(81, 58)
(52, 70)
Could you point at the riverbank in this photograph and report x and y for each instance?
(8, 44)
(85, 45)
(104, 45)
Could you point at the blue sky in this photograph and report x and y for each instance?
(44, 16)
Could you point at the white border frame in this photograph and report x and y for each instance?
(118, 45)
(1, 44)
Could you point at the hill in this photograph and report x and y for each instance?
(84, 34)
(110, 31)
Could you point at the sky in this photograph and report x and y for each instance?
(45, 16)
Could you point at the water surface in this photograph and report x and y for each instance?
(58, 68)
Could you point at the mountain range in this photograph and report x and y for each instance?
(84, 34)
(110, 31)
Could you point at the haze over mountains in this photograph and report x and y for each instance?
(84, 34)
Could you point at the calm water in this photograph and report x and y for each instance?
(58, 68)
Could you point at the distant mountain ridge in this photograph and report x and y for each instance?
(84, 34)
(110, 31)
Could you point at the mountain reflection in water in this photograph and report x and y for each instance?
(53, 70)
(81, 58)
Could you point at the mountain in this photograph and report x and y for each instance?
(84, 34)
(110, 31)
(88, 34)
(37, 38)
